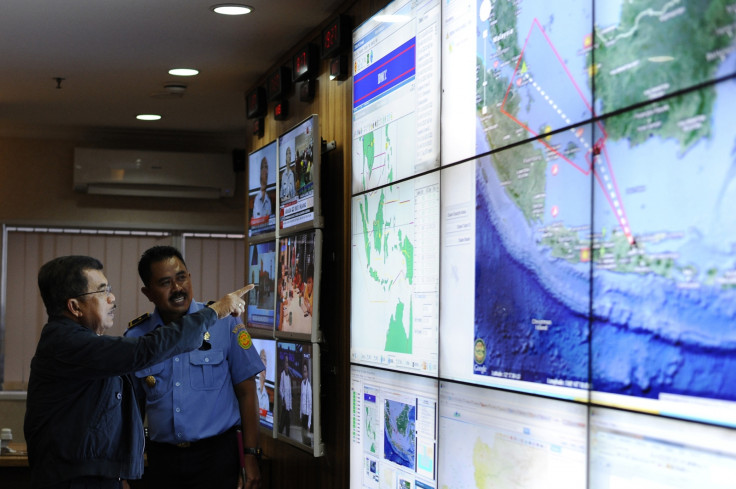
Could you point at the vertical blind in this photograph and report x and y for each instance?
(216, 262)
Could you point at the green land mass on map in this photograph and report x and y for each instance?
(369, 147)
(378, 224)
(397, 340)
(364, 222)
(649, 41)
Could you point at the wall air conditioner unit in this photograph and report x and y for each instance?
(153, 173)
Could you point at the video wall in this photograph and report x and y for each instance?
(548, 297)
(285, 265)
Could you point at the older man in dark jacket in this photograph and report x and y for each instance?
(82, 426)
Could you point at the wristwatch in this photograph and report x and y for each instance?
(253, 451)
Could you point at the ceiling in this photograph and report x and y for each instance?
(114, 57)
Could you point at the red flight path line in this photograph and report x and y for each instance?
(599, 146)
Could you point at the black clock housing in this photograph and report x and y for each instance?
(304, 63)
(278, 83)
(336, 37)
(255, 103)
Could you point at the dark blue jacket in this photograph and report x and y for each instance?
(81, 415)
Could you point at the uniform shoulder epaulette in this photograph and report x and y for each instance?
(210, 303)
(139, 320)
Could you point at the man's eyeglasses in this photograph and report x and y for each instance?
(107, 290)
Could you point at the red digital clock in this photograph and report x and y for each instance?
(279, 83)
(336, 36)
(281, 111)
(304, 63)
(255, 103)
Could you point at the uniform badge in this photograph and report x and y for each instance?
(150, 381)
(206, 336)
(244, 340)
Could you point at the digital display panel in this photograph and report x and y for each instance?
(664, 257)
(395, 280)
(297, 301)
(262, 299)
(396, 93)
(393, 430)
(298, 418)
(299, 163)
(639, 451)
(512, 71)
(515, 289)
(266, 381)
(491, 438)
(262, 165)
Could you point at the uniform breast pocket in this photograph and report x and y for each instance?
(155, 381)
(207, 369)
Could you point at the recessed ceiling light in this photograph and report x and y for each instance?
(148, 117)
(231, 9)
(183, 72)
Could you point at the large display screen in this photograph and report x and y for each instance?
(393, 430)
(512, 71)
(300, 150)
(262, 299)
(395, 280)
(644, 50)
(266, 381)
(262, 166)
(664, 257)
(298, 416)
(638, 451)
(299, 271)
(490, 438)
(515, 289)
(396, 93)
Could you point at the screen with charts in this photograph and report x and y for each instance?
(262, 165)
(262, 299)
(298, 419)
(396, 93)
(300, 150)
(266, 382)
(393, 430)
(395, 276)
(639, 451)
(492, 438)
(298, 281)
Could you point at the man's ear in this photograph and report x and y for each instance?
(147, 293)
(72, 305)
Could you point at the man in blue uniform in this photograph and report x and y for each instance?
(195, 402)
(82, 426)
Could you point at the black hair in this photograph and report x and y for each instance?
(63, 278)
(155, 255)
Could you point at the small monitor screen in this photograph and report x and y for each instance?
(394, 278)
(639, 451)
(262, 165)
(396, 93)
(393, 430)
(299, 162)
(297, 302)
(266, 381)
(298, 420)
(492, 438)
(261, 300)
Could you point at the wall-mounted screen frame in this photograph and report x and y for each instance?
(300, 158)
(260, 314)
(262, 198)
(297, 417)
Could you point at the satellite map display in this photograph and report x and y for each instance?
(626, 219)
